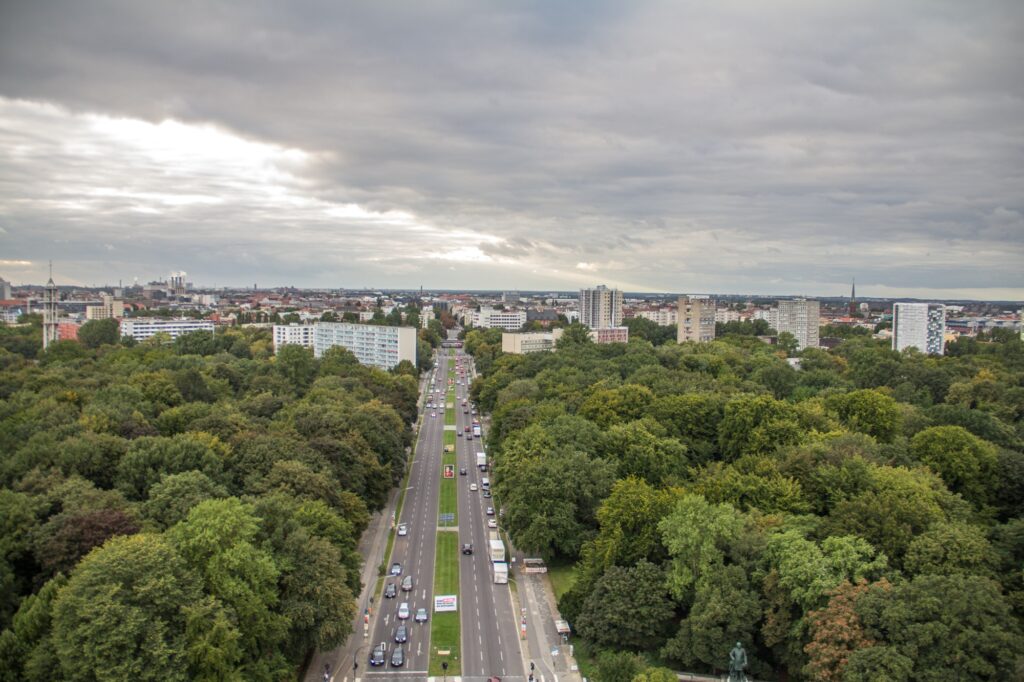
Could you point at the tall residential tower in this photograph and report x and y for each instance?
(696, 319)
(919, 325)
(601, 307)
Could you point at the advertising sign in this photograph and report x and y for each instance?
(446, 602)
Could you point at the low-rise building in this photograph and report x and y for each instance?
(108, 308)
(666, 317)
(610, 335)
(142, 328)
(529, 342)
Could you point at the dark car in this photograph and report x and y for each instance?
(378, 654)
(467, 548)
(397, 657)
(401, 634)
(462, 471)
(390, 591)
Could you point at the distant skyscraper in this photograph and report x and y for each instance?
(696, 319)
(799, 317)
(5, 289)
(919, 325)
(601, 307)
(51, 326)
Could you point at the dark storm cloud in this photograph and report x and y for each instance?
(677, 146)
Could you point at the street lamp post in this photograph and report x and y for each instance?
(444, 670)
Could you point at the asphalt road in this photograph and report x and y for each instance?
(490, 640)
(415, 553)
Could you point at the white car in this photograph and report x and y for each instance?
(433, 414)
(472, 486)
(403, 610)
(403, 529)
(491, 523)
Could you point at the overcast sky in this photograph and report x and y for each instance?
(761, 147)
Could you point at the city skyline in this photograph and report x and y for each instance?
(731, 149)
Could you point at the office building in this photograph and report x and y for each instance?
(142, 328)
(531, 342)
(696, 319)
(110, 307)
(800, 318)
(610, 335)
(601, 307)
(372, 344)
(294, 334)
(489, 318)
(5, 290)
(919, 325)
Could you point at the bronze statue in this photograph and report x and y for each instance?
(737, 662)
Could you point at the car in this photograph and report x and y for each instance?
(401, 633)
(487, 493)
(378, 654)
(433, 414)
(491, 523)
(459, 434)
(421, 615)
(403, 610)
(467, 548)
(403, 529)
(390, 591)
(397, 657)
(490, 511)
(407, 583)
(396, 568)
(472, 486)
(465, 412)
(462, 471)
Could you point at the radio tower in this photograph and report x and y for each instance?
(50, 311)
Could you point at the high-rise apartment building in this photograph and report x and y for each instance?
(919, 325)
(800, 318)
(5, 289)
(372, 344)
(696, 319)
(601, 307)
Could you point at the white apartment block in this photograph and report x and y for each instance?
(696, 320)
(800, 318)
(426, 315)
(294, 334)
(110, 307)
(489, 318)
(142, 328)
(372, 344)
(601, 307)
(610, 335)
(666, 317)
(724, 315)
(531, 342)
(919, 325)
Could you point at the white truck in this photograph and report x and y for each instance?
(496, 547)
(481, 461)
(500, 572)
(476, 430)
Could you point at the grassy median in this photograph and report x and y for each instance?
(445, 631)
